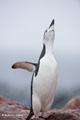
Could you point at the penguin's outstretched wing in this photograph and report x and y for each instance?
(25, 65)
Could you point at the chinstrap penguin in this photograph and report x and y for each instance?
(44, 78)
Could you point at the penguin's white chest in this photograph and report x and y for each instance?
(44, 84)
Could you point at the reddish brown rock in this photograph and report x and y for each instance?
(74, 103)
(11, 110)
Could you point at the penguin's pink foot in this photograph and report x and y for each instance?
(36, 117)
(42, 116)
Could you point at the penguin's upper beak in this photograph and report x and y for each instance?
(52, 23)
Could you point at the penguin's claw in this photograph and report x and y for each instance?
(45, 118)
(42, 117)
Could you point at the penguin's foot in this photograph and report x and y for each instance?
(45, 118)
(36, 117)
(42, 117)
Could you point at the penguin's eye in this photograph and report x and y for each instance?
(45, 31)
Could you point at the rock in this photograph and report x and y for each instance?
(11, 110)
(74, 103)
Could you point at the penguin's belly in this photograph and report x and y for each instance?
(44, 84)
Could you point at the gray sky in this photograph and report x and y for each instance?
(22, 24)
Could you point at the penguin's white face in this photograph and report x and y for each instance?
(49, 33)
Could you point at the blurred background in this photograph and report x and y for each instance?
(22, 24)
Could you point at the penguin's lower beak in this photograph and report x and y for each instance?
(52, 23)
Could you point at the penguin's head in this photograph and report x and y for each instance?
(49, 33)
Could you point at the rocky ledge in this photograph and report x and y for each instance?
(11, 110)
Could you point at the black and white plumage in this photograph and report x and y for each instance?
(44, 79)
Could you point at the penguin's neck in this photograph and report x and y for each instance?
(49, 47)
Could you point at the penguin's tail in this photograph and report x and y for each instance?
(30, 115)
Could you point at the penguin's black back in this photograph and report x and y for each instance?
(30, 115)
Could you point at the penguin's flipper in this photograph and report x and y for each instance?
(25, 65)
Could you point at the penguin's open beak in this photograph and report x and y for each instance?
(52, 23)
